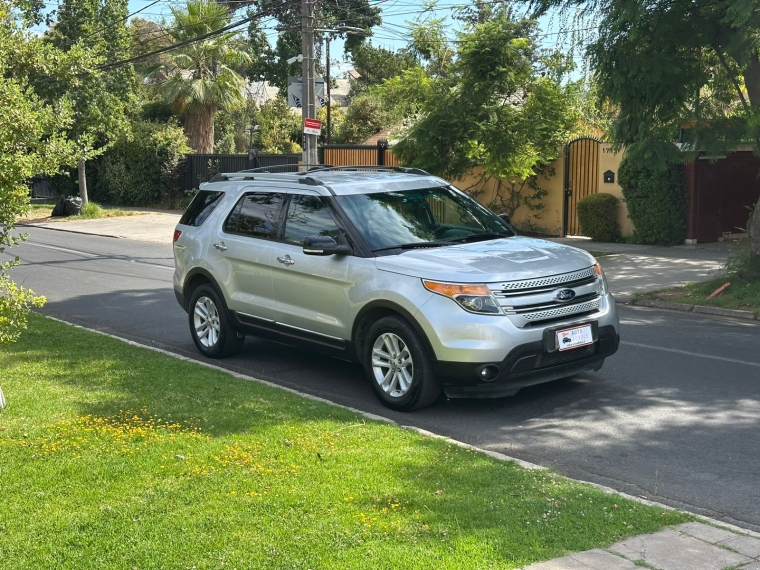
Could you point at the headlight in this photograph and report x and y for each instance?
(472, 298)
(601, 278)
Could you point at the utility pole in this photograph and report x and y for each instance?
(307, 73)
(327, 86)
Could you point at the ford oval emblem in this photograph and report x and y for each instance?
(564, 295)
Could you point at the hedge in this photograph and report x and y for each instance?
(598, 217)
(656, 200)
(143, 169)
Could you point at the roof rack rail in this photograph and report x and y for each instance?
(268, 169)
(353, 167)
(226, 176)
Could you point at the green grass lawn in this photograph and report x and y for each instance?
(113, 456)
(739, 295)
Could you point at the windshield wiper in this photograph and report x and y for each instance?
(414, 245)
(478, 237)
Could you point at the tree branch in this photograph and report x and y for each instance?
(731, 76)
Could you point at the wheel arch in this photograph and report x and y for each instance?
(376, 310)
(197, 277)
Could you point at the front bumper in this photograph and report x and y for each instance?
(525, 365)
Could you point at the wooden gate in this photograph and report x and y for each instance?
(581, 178)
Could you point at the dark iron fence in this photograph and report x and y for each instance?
(200, 168)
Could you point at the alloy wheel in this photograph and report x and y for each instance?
(392, 365)
(206, 322)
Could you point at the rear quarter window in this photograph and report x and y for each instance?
(200, 208)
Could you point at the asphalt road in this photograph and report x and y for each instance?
(672, 417)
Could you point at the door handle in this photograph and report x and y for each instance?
(220, 246)
(285, 260)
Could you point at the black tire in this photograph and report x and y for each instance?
(221, 339)
(422, 387)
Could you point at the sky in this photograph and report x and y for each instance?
(392, 33)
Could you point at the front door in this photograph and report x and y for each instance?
(311, 291)
(581, 178)
(241, 253)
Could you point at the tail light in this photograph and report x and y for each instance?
(177, 233)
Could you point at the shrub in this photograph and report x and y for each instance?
(657, 201)
(598, 217)
(143, 169)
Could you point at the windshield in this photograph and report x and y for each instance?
(432, 215)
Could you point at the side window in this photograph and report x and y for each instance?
(255, 215)
(308, 216)
(200, 208)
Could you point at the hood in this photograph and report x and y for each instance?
(506, 259)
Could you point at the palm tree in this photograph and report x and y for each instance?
(197, 79)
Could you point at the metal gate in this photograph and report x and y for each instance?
(581, 178)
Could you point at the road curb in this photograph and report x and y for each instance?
(700, 309)
(375, 417)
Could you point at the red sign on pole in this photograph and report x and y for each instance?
(312, 127)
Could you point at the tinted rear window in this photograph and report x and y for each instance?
(256, 215)
(200, 208)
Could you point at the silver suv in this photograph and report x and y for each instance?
(392, 268)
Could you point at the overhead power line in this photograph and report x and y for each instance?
(178, 45)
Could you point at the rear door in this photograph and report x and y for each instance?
(241, 253)
(311, 291)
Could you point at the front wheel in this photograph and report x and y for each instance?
(398, 366)
(210, 328)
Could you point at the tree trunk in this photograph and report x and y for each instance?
(753, 227)
(82, 181)
(199, 127)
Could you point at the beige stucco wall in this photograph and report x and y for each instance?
(610, 160)
(549, 219)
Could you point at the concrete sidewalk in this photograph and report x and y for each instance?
(689, 546)
(630, 268)
(151, 226)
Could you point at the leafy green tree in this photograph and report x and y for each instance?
(271, 64)
(198, 78)
(376, 64)
(279, 129)
(102, 100)
(32, 142)
(502, 106)
(687, 71)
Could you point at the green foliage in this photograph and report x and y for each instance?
(598, 217)
(102, 100)
(91, 210)
(279, 129)
(270, 63)
(656, 200)
(376, 64)
(365, 116)
(143, 169)
(744, 265)
(502, 104)
(32, 142)
(529, 193)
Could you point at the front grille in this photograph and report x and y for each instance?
(554, 281)
(555, 358)
(562, 311)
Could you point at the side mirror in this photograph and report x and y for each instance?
(324, 245)
(505, 218)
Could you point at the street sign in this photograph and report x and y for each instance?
(312, 127)
(295, 92)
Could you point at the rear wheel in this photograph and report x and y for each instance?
(210, 328)
(398, 366)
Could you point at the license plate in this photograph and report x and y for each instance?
(573, 338)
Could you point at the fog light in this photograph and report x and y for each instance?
(488, 373)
